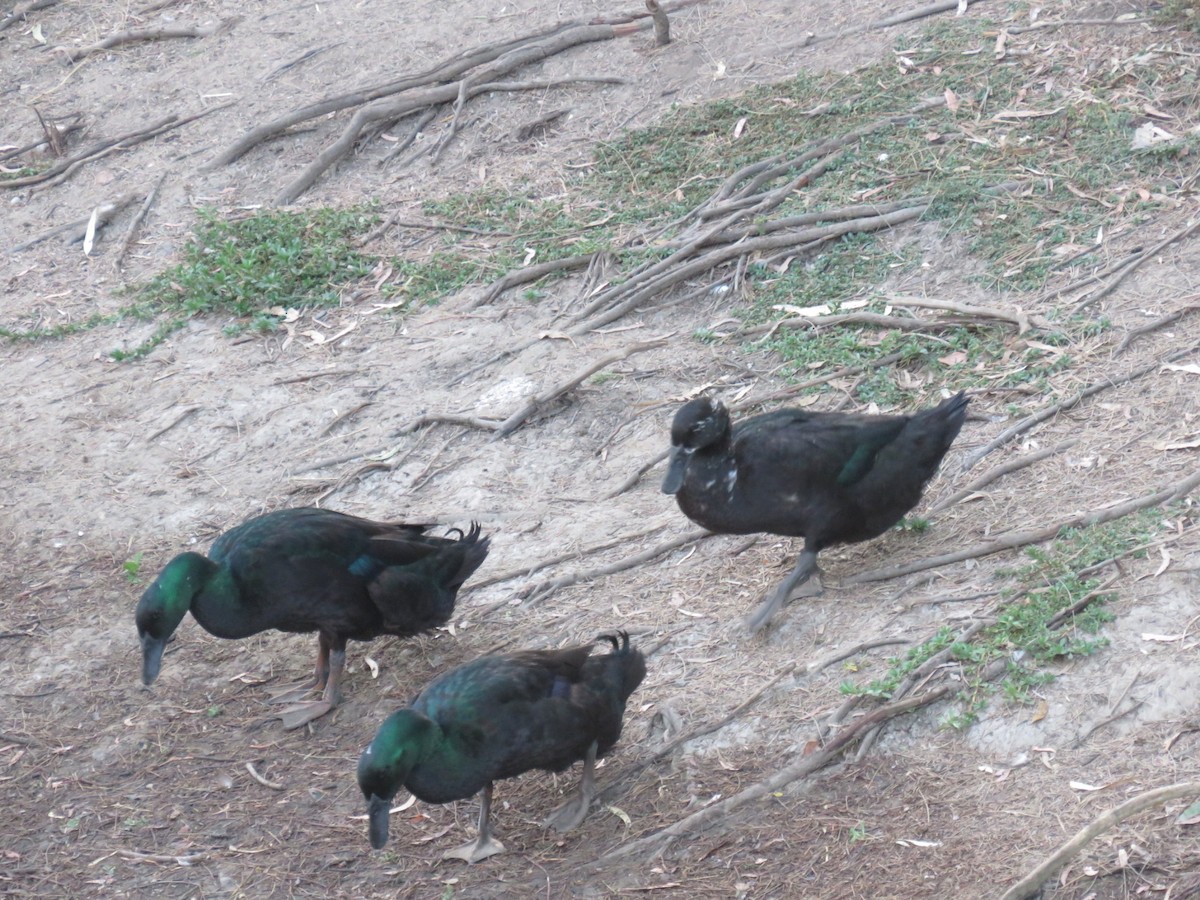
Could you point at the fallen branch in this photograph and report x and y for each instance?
(103, 214)
(811, 40)
(526, 571)
(528, 274)
(539, 592)
(805, 765)
(21, 10)
(1020, 319)
(1031, 883)
(1129, 265)
(1050, 412)
(543, 400)
(1017, 539)
(1166, 320)
(1007, 468)
(139, 35)
(1062, 23)
(137, 221)
(66, 167)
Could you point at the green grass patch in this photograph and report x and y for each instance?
(1042, 588)
(241, 268)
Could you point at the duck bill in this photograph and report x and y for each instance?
(378, 810)
(676, 466)
(152, 651)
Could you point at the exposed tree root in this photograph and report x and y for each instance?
(456, 81)
(140, 35)
(999, 471)
(65, 168)
(526, 571)
(923, 12)
(18, 12)
(136, 223)
(1166, 320)
(76, 230)
(1016, 539)
(1050, 412)
(1031, 884)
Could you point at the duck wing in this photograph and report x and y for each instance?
(824, 448)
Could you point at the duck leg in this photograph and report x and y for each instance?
(806, 566)
(290, 693)
(573, 812)
(308, 710)
(485, 845)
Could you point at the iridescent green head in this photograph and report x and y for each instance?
(164, 605)
(403, 740)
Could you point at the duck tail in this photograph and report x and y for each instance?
(621, 671)
(471, 550)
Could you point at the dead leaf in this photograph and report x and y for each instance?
(739, 128)
(1191, 815)
(1157, 113)
(953, 359)
(1011, 114)
(620, 814)
(913, 842)
(1190, 368)
(951, 100)
(1040, 712)
(1190, 444)
(1164, 638)
(1082, 786)
(372, 665)
(89, 237)
(1149, 135)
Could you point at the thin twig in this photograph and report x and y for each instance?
(527, 571)
(1166, 320)
(139, 35)
(1131, 264)
(260, 779)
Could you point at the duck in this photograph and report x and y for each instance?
(308, 569)
(827, 477)
(497, 717)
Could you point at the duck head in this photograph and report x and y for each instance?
(403, 740)
(165, 603)
(699, 424)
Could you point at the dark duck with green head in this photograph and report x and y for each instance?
(497, 717)
(306, 570)
(830, 478)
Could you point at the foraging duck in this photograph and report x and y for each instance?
(308, 569)
(496, 717)
(830, 478)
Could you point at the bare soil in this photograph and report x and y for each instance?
(110, 789)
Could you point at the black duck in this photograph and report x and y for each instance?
(830, 478)
(304, 570)
(497, 717)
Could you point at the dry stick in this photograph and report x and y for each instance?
(803, 766)
(103, 213)
(21, 9)
(306, 55)
(921, 13)
(1029, 885)
(715, 257)
(1136, 333)
(916, 677)
(138, 35)
(709, 727)
(182, 859)
(443, 72)
(1082, 603)
(137, 221)
(1016, 539)
(1060, 23)
(531, 406)
(637, 475)
(537, 593)
(1020, 319)
(65, 167)
(1029, 421)
(662, 25)
(999, 471)
(876, 320)
(60, 131)
(390, 109)
(530, 273)
(1132, 264)
(526, 571)
(260, 779)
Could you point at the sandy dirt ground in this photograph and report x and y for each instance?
(111, 789)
